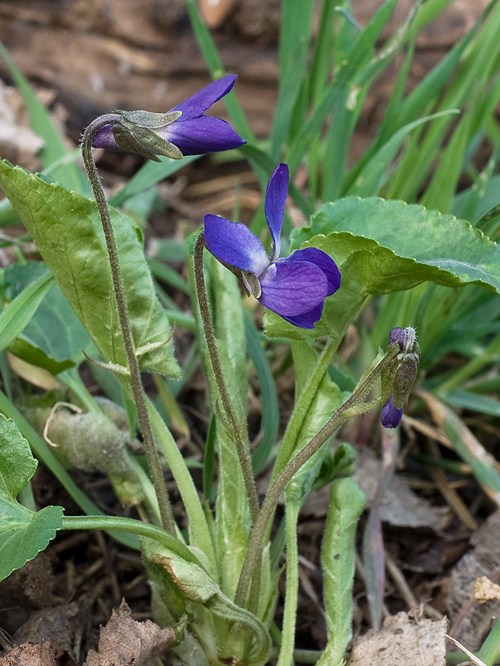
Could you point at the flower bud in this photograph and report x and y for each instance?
(391, 416)
(399, 377)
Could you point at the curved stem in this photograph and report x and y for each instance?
(130, 525)
(235, 430)
(155, 468)
(347, 410)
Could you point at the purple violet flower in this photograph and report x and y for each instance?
(294, 287)
(191, 132)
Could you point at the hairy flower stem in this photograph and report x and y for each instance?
(351, 407)
(235, 430)
(138, 392)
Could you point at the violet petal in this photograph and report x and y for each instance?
(104, 138)
(292, 288)
(233, 243)
(276, 193)
(197, 104)
(397, 335)
(391, 417)
(308, 319)
(323, 261)
(196, 136)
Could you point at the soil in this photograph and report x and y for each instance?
(90, 56)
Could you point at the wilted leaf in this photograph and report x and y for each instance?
(471, 622)
(485, 590)
(123, 641)
(61, 625)
(402, 641)
(28, 654)
(401, 506)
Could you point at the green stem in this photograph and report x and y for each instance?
(350, 408)
(292, 582)
(121, 303)
(120, 524)
(235, 430)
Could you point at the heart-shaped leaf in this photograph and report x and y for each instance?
(387, 246)
(23, 533)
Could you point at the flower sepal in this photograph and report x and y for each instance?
(135, 133)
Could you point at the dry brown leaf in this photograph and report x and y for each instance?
(61, 624)
(18, 143)
(470, 621)
(400, 507)
(28, 654)
(401, 636)
(485, 590)
(125, 641)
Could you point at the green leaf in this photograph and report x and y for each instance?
(448, 251)
(18, 314)
(23, 533)
(67, 230)
(232, 507)
(54, 337)
(347, 501)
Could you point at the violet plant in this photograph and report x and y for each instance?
(217, 584)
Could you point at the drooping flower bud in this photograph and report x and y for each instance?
(400, 375)
(138, 132)
(184, 130)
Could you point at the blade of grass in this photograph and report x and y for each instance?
(19, 312)
(148, 175)
(295, 35)
(473, 75)
(444, 183)
(167, 274)
(466, 446)
(473, 402)
(490, 649)
(216, 69)
(209, 461)
(370, 179)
